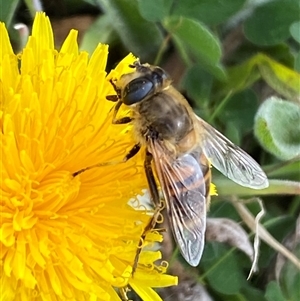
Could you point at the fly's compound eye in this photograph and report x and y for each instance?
(137, 90)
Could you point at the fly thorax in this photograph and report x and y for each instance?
(164, 118)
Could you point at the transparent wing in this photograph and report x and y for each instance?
(184, 190)
(231, 160)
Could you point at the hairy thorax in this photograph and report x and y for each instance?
(161, 117)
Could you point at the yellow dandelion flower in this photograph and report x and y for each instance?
(65, 237)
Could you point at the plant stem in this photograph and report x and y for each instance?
(227, 187)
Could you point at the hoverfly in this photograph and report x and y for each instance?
(180, 146)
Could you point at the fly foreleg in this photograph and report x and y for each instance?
(159, 205)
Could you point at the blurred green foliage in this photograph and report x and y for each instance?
(233, 60)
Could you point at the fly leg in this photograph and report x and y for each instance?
(150, 178)
(123, 293)
(122, 120)
(159, 205)
(131, 153)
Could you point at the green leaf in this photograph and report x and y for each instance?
(239, 77)
(273, 292)
(270, 23)
(7, 11)
(101, 31)
(240, 110)
(237, 297)
(283, 80)
(293, 284)
(198, 84)
(221, 209)
(295, 31)
(211, 12)
(290, 277)
(194, 38)
(154, 10)
(197, 36)
(233, 133)
(289, 171)
(277, 127)
(297, 62)
(141, 37)
(278, 226)
(182, 49)
(252, 293)
(221, 269)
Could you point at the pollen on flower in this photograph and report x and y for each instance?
(65, 237)
(213, 189)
